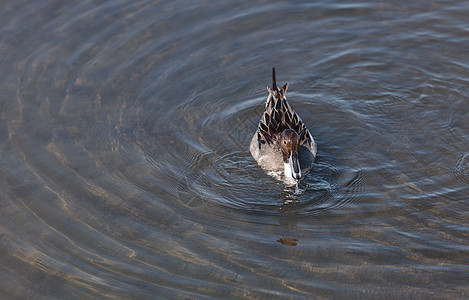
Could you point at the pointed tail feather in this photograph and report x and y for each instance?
(274, 81)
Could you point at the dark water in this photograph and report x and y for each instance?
(125, 169)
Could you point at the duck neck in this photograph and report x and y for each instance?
(287, 169)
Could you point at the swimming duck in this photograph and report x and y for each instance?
(282, 141)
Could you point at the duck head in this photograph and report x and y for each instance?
(289, 143)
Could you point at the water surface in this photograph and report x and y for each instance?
(125, 164)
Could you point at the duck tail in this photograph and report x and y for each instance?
(274, 81)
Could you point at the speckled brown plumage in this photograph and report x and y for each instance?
(277, 117)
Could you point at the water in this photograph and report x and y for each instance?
(125, 164)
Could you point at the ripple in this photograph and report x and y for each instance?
(126, 172)
(461, 169)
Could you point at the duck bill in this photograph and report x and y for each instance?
(295, 166)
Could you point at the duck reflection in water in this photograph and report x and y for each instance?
(288, 242)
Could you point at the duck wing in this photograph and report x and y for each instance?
(278, 116)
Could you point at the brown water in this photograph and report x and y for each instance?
(125, 170)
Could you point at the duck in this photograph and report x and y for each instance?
(282, 142)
